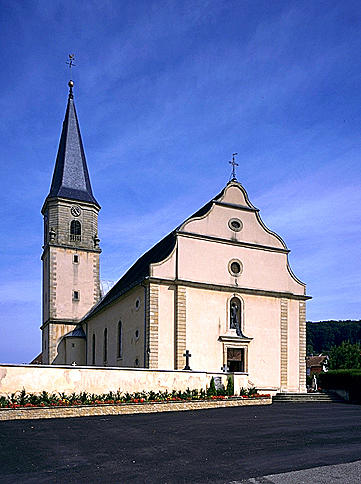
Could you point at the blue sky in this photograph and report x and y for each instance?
(165, 92)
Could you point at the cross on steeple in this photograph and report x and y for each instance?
(187, 355)
(71, 60)
(234, 164)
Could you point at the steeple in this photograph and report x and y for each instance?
(71, 178)
(71, 244)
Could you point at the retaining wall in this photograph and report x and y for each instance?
(126, 409)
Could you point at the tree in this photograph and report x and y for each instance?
(345, 356)
(211, 391)
(323, 335)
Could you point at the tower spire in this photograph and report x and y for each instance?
(71, 177)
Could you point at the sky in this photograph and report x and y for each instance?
(165, 92)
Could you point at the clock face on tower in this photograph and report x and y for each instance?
(75, 211)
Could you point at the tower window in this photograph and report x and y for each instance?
(76, 295)
(75, 231)
(76, 259)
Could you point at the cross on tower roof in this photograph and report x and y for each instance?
(71, 60)
(234, 164)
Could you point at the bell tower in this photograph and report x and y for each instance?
(71, 245)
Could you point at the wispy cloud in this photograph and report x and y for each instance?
(165, 92)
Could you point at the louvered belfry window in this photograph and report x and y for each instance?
(75, 231)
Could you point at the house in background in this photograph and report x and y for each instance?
(316, 364)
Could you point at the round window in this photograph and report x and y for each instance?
(137, 333)
(235, 267)
(235, 224)
(137, 304)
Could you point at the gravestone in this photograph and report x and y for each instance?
(218, 383)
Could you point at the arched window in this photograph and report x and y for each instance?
(235, 315)
(105, 348)
(93, 350)
(119, 339)
(75, 230)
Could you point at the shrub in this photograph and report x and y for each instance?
(211, 391)
(252, 391)
(230, 386)
(349, 380)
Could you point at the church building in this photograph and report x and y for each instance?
(216, 293)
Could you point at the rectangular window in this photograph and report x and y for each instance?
(76, 259)
(93, 350)
(76, 295)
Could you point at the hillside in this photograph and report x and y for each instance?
(322, 335)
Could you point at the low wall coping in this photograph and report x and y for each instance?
(119, 368)
(26, 413)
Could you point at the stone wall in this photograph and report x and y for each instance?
(68, 379)
(88, 411)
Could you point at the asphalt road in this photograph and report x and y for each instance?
(218, 446)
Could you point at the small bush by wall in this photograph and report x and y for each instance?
(348, 380)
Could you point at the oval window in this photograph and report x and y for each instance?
(235, 224)
(235, 267)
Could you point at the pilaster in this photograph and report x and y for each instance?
(284, 343)
(152, 326)
(180, 326)
(302, 345)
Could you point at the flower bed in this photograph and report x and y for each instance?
(29, 400)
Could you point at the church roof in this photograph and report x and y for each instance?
(141, 269)
(71, 177)
(76, 333)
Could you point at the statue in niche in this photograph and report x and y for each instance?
(235, 316)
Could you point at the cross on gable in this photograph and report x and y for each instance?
(234, 164)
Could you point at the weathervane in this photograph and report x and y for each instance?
(71, 60)
(234, 164)
(71, 64)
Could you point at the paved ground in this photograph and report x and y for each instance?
(251, 444)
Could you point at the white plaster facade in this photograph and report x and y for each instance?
(184, 303)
